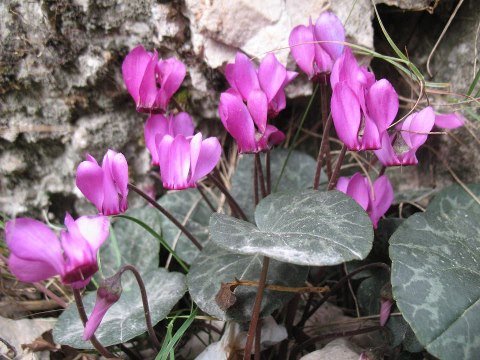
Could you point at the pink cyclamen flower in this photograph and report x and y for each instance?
(239, 122)
(449, 121)
(374, 200)
(37, 254)
(106, 186)
(262, 89)
(185, 160)
(160, 125)
(151, 81)
(108, 293)
(400, 147)
(316, 47)
(362, 108)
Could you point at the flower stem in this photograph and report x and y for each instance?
(207, 200)
(146, 308)
(231, 201)
(255, 183)
(170, 217)
(261, 179)
(324, 101)
(322, 151)
(269, 175)
(304, 289)
(83, 316)
(336, 171)
(256, 309)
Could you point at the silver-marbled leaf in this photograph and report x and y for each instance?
(215, 265)
(125, 319)
(435, 272)
(190, 208)
(304, 227)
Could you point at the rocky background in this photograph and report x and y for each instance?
(62, 94)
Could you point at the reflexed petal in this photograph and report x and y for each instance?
(342, 184)
(291, 75)
(163, 147)
(277, 104)
(94, 229)
(208, 158)
(76, 248)
(31, 240)
(386, 154)
(171, 72)
(31, 270)
(449, 121)
(257, 104)
(148, 87)
(323, 61)
(155, 125)
(359, 189)
(416, 127)
(237, 121)
(271, 75)
(385, 308)
(345, 69)
(371, 137)
(180, 162)
(182, 124)
(346, 115)
(89, 180)
(382, 104)
(271, 137)
(111, 204)
(133, 69)
(230, 75)
(383, 198)
(328, 27)
(245, 75)
(304, 54)
(120, 173)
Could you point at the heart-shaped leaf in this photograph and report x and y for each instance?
(126, 318)
(304, 227)
(215, 265)
(190, 209)
(435, 272)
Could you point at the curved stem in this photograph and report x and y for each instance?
(269, 175)
(83, 316)
(146, 308)
(322, 151)
(338, 166)
(170, 217)
(261, 179)
(231, 201)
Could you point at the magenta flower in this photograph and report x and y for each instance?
(316, 47)
(160, 125)
(449, 121)
(400, 147)
(150, 81)
(185, 160)
(262, 89)
(375, 200)
(37, 254)
(362, 108)
(106, 186)
(239, 122)
(108, 293)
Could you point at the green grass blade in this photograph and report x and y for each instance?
(474, 83)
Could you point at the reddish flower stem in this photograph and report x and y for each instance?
(83, 316)
(255, 183)
(169, 216)
(324, 101)
(261, 179)
(269, 175)
(336, 171)
(322, 151)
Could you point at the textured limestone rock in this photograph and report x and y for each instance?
(339, 349)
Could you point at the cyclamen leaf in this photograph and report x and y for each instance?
(435, 269)
(304, 227)
(126, 318)
(215, 265)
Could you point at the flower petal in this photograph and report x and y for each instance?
(163, 148)
(257, 105)
(416, 127)
(94, 229)
(246, 77)
(89, 180)
(182, 124)
(359, 189)
(323, 61)
(171, 73)
(179, 163)
(342, 184)
(120, 174)
(371, 136)
(385, 308)
(208, 158)
(155, 125)
(328, 27)
(148, 87)
(271, 137)
(449, 121)
(31, 240)
(271, 75)
(31, 270)
(111, 201)
(383, 198)
(99, 310)
(302, 48)
(382, 104)
(346, 115)
(133, 70)
(386, 154)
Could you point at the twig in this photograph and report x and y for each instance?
(10, 347)
(304, 289)
(170, 217)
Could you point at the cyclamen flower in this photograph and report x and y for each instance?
(449, 121)
(262, 89)
(106, 186)
(160, 125)
(362, 108)
(185, 160)
(37, 254)
(316, 47)
(374, 200)
(108, 293)
(400, 147)
(239, 122)
(151, 81)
